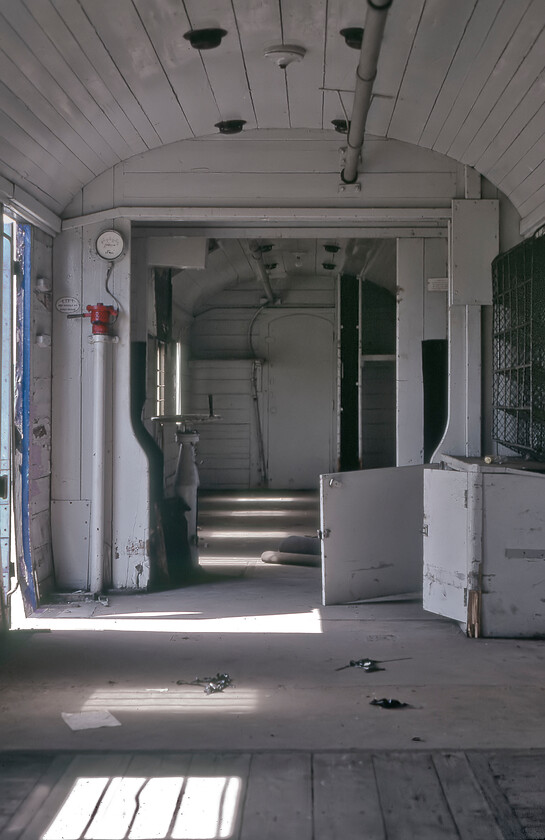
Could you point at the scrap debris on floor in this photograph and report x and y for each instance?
(212, 685)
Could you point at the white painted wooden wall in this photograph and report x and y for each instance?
(296, 168)
(40, 412)
(80, 273)
(222, 366)
(421, 315)
(297, 171)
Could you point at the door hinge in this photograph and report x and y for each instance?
(425, 530)
(323, 535)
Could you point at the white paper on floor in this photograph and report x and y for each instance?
(89, 720)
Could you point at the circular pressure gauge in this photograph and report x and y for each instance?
(110, 245)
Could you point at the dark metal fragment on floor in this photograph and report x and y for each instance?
(368, 665)
(388, 703)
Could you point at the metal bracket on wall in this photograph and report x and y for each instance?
(349, 189)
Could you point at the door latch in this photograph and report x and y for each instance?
(3, 486)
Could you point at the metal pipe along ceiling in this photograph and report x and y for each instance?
(261, 271)
(365, 76)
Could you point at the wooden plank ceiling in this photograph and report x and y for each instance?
(88, 83)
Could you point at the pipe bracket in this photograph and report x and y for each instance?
(366, 79)
(349, 188)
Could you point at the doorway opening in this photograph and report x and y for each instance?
(262, 364)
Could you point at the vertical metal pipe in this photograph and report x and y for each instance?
(96, 542)
(365, 77)
(261, 271)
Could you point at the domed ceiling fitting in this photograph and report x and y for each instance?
(284, 54)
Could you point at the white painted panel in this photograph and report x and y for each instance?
(15, 49)
(39, 495)
(490, 53)
(40, 529)
(475, 243)
(66, 360)
(305, 23)
(341, 61)
(166, 21)
(208, 189)
(37, 166)
(398, 40)
(514, 135)
(435, 303)
(259, 26)
(281, 151)
(177, 251)
(250, 152)
(523, 155)
(429, 63)
(410, 333)
(530, 192)
(121, 31)
(130, 468)
(100, 191)
(372, 526)
(445, 543)
(300, 400)
(534, 219)
(471, 42)
(224, 67)
(225, 446)
(90, 44)
(514, 555)
(40, 24)
(521, 39)
(21, 114)
(71, 544)
(515, 91)
(102, 106)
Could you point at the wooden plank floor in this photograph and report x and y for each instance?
(273, 795)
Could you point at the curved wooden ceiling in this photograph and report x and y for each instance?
(88, 83)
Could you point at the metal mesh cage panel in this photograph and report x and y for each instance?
(519, 348)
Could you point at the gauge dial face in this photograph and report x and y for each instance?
(110, 245)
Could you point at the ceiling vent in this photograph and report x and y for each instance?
(230, 126)
(353, 36)
(340, 125)
(205, 39)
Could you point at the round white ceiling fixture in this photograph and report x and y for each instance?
(285, 54)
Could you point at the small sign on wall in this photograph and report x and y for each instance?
(437, 284)
(67, 305)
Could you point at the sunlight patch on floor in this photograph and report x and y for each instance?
(303, 622)
(257, 534)
(140, 808)
(183, 699)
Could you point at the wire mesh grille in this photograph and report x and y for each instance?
(519, 348)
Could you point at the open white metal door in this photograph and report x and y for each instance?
(5, 416)
(371, 523)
